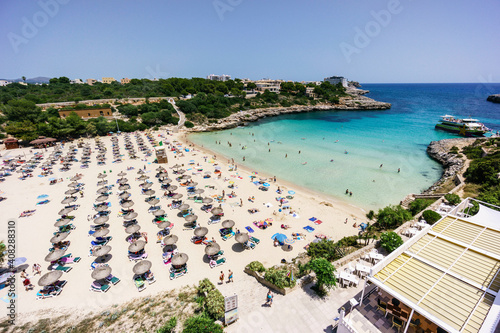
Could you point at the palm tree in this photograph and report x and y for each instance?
(24, 79)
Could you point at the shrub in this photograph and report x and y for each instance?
(205, 286)
(256, 266)
(325, 249)
(279, 278)
(348, 241)
(452, 198)
(431, 216)
(370, 215)
(390, 241)
(188, 124)
(215, 304)
(169, 326)
(201, 324)
(392, 216)
(419, 205)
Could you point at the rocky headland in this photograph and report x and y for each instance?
(494, 98)
(452, 163)
(352, 102)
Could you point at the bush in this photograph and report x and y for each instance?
(215, 304)
(390, 241)
(452, 198)
(279, 278)
(370, 215)
(256, 266)
(169, 326)
(348, 241)
(188, 124)
(392, 217)
(201, 324)
(205, 286)
(419, 205)
(325, 249)
(431, 216)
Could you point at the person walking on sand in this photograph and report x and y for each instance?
(241, 202)
(230, 277)
(269, 300)
(221, 277)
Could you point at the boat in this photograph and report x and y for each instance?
(463, 127)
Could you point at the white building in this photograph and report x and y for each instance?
(336, 79)
(76, 81)
(3, 83)
(222, 77)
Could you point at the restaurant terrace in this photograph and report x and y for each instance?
(444, 279)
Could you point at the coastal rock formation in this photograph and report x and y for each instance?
(452, 164)
(494, 98)
(241, 118)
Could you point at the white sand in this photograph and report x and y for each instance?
(33, 233)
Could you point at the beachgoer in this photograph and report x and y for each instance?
(145, 235)
(286, 155)
(354, 225)
(346, 220)
(350, 193)
(275, 179)
(269, 300)
(221, 277)
(347, 191)
(230, 277)
(399, 170)
(381, 165)
(241, 202)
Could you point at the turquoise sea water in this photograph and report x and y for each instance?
(395, 138)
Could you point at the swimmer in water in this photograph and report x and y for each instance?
(331, 160)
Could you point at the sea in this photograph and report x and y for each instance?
(379, 156)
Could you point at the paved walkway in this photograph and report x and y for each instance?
(182, 116)
(299, 311)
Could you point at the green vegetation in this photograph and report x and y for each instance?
(211, 299)
(169, 326)
(431, 216)
(390, 241)
(256, 266)
(279, 277)
(391, 217)
(418, 205)
(2, 252)
(201, 324)
(326, 249)
(484, 171)
(452, 198)
(324, 271)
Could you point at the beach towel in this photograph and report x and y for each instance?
(309, 228)
(312, 219)
(318, 222)
(249, 229)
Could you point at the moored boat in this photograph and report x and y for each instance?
(464, 127)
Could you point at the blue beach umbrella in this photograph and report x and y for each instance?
(42, 196)
(363, 226)
(279, 237)
(266, 184)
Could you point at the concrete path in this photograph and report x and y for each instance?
(300, 311)
(182, 116)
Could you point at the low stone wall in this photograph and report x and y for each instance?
(268, 284)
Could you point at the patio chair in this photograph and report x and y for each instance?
(355, 281)
(151, 280)
(396, 322)
(218, 262)
(61, 268)
(48, 292)
(254, 240)
(382, 306)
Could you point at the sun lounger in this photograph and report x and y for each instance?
(255, 240)
(218, 262)
(69, 260)
(61, 268)
(227, 236)
(151, 280)
(308, 229)
(139, 283)
(175, 273)
(113, 279)
(48, 292)
(97, 287)
(318, 222)
(249, 245)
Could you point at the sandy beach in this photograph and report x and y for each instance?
(34, 232)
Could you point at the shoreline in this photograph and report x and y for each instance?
(287, 185)
(354, 103)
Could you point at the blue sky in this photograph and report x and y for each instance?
(369, 41)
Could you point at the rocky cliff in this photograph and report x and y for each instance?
(355, 102)
(452, 163)
(494, 98)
